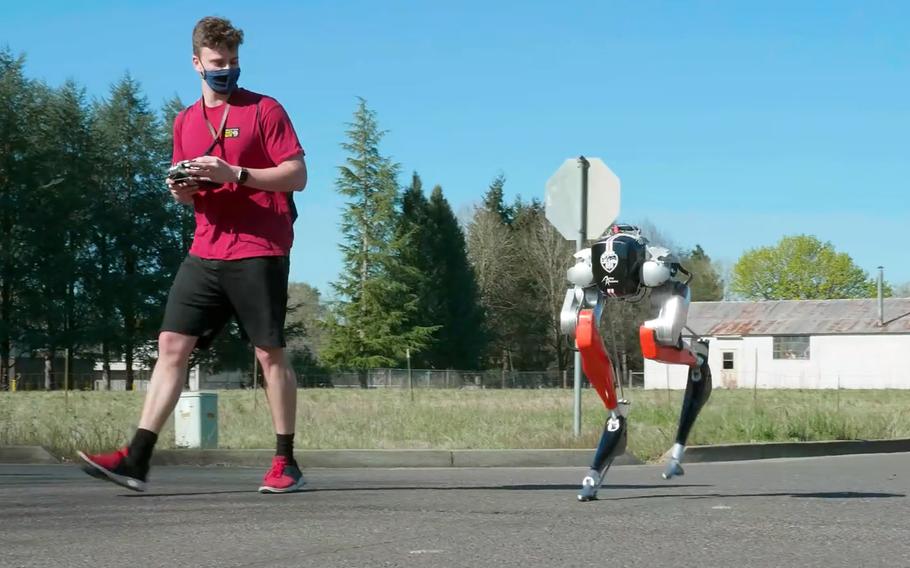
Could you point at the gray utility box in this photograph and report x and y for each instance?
(196, 420)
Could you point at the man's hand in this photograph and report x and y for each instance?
(216, 170)
(183, 190)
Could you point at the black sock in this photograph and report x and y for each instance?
(141, 447)
(285, 446)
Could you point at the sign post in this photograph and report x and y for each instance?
(582, 200)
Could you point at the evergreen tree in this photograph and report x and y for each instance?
(494, 200)
(57, 229)
(454, 298)
(369, 327)
(706, 284)
(130, 215)
(413, 236)
(17, 180)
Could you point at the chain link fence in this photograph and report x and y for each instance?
(444, 379)
(77, 381)
(371, 379)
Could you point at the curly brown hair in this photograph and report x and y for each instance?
(214, 32)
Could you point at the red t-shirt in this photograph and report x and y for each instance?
(235, 221)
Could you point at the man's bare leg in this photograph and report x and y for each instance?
(281, 388)
(168, 378)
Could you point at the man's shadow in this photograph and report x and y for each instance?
(530, 487)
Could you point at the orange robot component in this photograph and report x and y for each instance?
(594, 359)
(650, 349)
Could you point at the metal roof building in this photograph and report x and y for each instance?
(799, 317)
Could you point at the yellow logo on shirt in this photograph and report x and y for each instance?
(231, 132)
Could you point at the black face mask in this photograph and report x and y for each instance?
(222, 81)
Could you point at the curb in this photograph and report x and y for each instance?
(26, 455)
(389, 458)
(774, 450)
(481, 458)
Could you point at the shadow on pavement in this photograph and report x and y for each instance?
(811, 495)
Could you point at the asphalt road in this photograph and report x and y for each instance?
(836, 511)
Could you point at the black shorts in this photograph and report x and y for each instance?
(206, 293)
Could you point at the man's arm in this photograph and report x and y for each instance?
(289, 175)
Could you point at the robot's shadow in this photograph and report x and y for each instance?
(795, 495)
(523, 487)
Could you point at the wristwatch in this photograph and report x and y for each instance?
(242, 177)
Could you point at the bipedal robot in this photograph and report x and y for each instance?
(622, 266)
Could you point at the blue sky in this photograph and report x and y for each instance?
(730, 124)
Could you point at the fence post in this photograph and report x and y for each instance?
(838, 393)
(625, 370)
(755, 383)
(66, 380)
(410, 376)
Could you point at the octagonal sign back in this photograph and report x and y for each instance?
(563, 198)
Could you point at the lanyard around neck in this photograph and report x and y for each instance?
(216, 134)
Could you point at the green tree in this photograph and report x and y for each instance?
(799, 267)
(306, 316)
(58, 223)
(17, 178)
(130, 215)
(453, 295)
(494, 200)
(413, 235)
(706, 284)
(369, 324)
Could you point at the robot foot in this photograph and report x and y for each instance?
(673, 468)
(590, 485)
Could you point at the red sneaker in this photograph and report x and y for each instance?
(283, 477)
(115, 467)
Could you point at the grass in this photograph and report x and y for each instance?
(450, 419)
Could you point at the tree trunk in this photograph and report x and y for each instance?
(105, 321)
(5, 342)
(68, 334)
(6, 275)
(48, 370)
(106, 365)
(128, 359)
(505, 366)
(6, 296)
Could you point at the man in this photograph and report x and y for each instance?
(243, 161)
